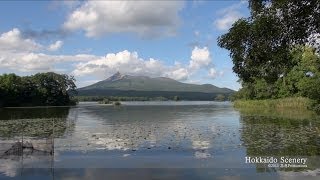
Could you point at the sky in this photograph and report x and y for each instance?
(92, 40)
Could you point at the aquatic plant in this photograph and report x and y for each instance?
(52, 127)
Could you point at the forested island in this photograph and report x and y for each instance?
(41, 89)
(275, 53)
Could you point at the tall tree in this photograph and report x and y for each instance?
(261, 45)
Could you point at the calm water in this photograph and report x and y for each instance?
(153, 140)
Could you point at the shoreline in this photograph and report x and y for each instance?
(292, 108)
(282, 103)
(15, 107)
(97, 102)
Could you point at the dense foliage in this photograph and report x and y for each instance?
(40, 89)
(148, 96)
(130, 95)
(275, 51)
(115, 98)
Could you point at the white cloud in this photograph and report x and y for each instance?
(55, 46)
(13, 41)
(179, 74)
(129, 63)
(145, 18)
(228, 16)
(213, 73)
(37, 62)
(200, 57)
(26, 55)
(227, 20)
(22, 54)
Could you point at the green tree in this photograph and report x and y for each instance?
(54, 88)
(309, 68)
(40, 89)
(262, 47)
(12, 86)
(220, 97)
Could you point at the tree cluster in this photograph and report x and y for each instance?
(275, 51)
(49, 89)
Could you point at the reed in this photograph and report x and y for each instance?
(283, 103)
(292, 108)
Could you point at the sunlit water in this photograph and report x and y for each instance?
(152, 140)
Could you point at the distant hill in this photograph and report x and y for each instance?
(144, 86)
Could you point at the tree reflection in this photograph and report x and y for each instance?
(278, 137)
(33, 122)
(27, 137)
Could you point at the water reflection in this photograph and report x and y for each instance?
(269, 136)
(202, 140)
(27, 137)
(33, 113)
(281, 137)
(153, 128)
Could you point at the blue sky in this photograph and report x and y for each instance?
(92, 40)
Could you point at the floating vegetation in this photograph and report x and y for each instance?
(33, 127)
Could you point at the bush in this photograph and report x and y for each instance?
(117, 103)
(220, 97)
(176, 98)
(105, 101)
(316, 108)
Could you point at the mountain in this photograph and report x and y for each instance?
(144, 86)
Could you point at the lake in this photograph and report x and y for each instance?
(155, 140)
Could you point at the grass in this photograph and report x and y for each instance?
(293, 108)
(284, 103)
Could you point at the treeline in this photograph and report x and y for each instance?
(218, 97)
(124, 98)
(118, 98)
(153, 95)
(303, 79)
(275, 51)
(42, 89)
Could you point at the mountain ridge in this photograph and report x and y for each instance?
(123, 83)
